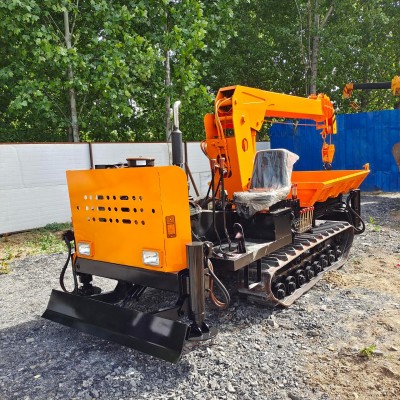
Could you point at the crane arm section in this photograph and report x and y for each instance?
(393, 85)
(240, 113)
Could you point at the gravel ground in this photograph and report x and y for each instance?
(310, 351)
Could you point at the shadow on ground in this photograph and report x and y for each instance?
(43, 360)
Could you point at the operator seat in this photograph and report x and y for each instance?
(270, 182)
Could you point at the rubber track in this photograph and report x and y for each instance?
(305, 248)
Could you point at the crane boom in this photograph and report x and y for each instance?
(393, 85)
(240, 113)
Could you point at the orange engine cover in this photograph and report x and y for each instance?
(122, 212)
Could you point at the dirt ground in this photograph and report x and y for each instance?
(372, 270)
(349, 375)
(339, 341)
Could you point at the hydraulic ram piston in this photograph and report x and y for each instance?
(195, 257)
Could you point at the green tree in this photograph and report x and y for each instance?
(370, 52)
(310, 45)
(110, 62)
(187, 34)
(110, 59)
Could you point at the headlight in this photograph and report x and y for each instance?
(151, 258)
(84, 249)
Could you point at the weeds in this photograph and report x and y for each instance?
(55, 227)
(46, 243)
(367, 351)
(374, 224)
(4, 269)
(45, 240)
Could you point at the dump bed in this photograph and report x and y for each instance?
(318, 186)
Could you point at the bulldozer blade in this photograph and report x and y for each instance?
(159, 337)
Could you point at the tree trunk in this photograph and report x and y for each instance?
(317, 29)
(314, 51)
(72, 94)
(167, 97)
(307, 62)
(314, 64)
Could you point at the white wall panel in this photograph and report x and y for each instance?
(33, 190)
(10, 170)
(45, 164)
(29, 208)
(263, 146)
(199, 167)
(113, 153)
(33, 187)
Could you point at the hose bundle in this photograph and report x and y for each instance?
(214, 279)
(67, 240)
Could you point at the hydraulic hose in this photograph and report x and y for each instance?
(213, 200)
(214, 279)
(221, 172)
(64, 268)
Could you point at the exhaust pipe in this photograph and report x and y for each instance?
(176, 137)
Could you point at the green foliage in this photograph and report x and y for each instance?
(47, 243)
(119, 49)
(270, 49)
(374, 224)
(4, 262)
(56, 227)
(111, 63)
(45, 240)
(368, 52)
(4, 269)
(117, 58)
(367, 351)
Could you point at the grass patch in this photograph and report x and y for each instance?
(4, 268)
(46, 240)
(56, 227)
(374, 224)
(367, 351)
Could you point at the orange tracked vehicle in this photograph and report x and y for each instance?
(278, 231)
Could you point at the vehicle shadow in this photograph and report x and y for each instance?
(40, 359)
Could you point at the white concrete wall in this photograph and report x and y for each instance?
(111, 153)
(33, 189)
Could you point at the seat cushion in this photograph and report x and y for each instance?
(270, 182)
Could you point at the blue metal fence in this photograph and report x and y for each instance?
(362, 138)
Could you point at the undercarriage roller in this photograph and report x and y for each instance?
(279, 290)
(323, 260)
(317, 267)
(331, 257)
(297, 267)
(290, 284)
(309, 271)
(338, 252)
(300, 277)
